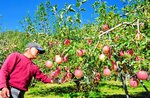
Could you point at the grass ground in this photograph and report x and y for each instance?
(106, 89)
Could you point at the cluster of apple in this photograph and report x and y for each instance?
(58, 59)
(97, 77)
(78, 73)
(68, 75)
(134, 81)
(107, 53)
(140, 75)
(55, 73)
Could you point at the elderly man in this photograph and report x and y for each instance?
(17, 71)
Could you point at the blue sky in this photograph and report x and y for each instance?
(12, 11)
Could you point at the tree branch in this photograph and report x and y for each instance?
(138, 26)
(108, 31)
(124, 23)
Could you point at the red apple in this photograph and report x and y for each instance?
(106, 71)
(142, 75)
(58, 59)
(134, 82)
(97, 77)
(81, 52)
(114, 66)
(78, 72)
(138, 58)
(105, 27)
(55, 73)
(121, 53)
(65, 59)
(102, 57)
(106, 49)
(58, 69)
(67, 42)
(130, 51)
(66, 68)
(52, 75)
(98, 74)
(67, 77)
(89, 41)
(49, 64)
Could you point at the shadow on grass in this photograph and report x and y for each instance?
(57, 90)
(138, 95)
(72, 92)
(110, 85)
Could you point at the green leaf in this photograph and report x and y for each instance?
(82, 9)
(78, 4)
(72, 10)
(69, 18)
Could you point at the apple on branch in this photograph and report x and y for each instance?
(58, 59)
(102, 57)
(121, 53)
(130, 52)
(134, 82)
(142, 75)
(81, 52)
(49, 64)
(68, 75)
(89, 41)
(55, 73)
(105, 27)
(106, 71)
(67, 42)
(107, 51)
(114, 65)
(97, 77)
(78, 72)
(65, 58)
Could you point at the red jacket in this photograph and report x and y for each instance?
(17, 71)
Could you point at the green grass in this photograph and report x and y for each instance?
(106, 89)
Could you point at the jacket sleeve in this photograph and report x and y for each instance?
(7, 68)
(41, 76)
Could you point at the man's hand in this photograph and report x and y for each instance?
(5, 93)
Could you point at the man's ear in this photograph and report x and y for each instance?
(27, 49)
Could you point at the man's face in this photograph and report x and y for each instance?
(33, 52)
